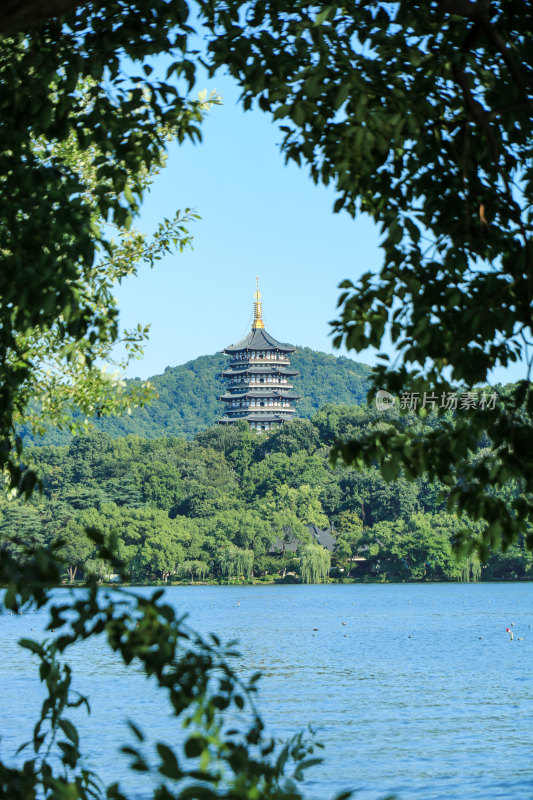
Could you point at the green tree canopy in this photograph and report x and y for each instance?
(266, 475)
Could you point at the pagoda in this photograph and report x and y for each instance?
(258, 378)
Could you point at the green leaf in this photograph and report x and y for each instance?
(69, 730)
(194, 746)
(169, 766)
(29, 644)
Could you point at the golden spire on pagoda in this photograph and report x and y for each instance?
(258, 309)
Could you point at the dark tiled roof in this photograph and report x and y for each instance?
(259, 339)
(324, 538)
(291, 545)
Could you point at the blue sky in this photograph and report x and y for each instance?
(259, 217)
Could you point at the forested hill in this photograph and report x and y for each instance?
(187, 400)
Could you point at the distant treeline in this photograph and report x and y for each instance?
(214, 507)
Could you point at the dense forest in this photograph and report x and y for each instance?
(232, 504)
(187, 396)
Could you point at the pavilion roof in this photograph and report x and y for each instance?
(326, 539)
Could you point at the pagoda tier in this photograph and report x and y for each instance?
(257, 421)
(257, 378)
(260, 395)
(252, 369)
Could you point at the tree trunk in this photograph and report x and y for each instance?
(72, 572)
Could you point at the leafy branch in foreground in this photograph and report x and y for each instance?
(71, 380)
(222, 750)
(419, 114)
(76, 157)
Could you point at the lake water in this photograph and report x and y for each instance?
(420, 694)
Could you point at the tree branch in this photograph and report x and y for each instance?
(18, 15)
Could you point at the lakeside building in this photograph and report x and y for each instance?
(326, 539)
(258, 378)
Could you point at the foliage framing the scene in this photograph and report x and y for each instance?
(80, 137)
(212, 760)
(419, 114)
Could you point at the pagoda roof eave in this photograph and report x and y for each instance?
(259, 339)
(253, 418)
(268, 369)
(256, 413)
(264, 418)
(275, 393)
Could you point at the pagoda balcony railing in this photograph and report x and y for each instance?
(267, 383)
(258, 406)
(263, 358)
(240, 388)
(264, 382)
(264, 426)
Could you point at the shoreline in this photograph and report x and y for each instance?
(245, 584)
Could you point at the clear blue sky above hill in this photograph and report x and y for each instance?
(258, 217)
